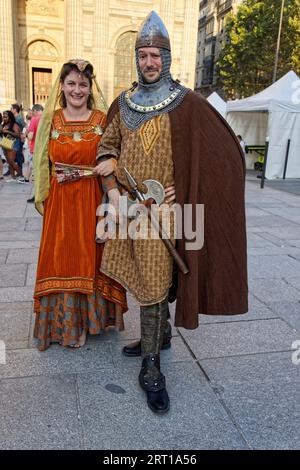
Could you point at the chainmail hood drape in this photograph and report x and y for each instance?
(148, 100)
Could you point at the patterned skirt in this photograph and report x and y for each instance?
(62, 318)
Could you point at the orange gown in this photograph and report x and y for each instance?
(71, 295)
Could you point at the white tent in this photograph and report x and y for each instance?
(218, 103)
(272, 113)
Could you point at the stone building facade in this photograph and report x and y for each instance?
(211, 37)
(38, 36)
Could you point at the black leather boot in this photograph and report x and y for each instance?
(153, 382)
(135, 349)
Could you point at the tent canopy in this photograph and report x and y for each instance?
(272, 113)
(282, 95)
(218, 103)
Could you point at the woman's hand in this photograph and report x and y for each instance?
(106, 167)
(170, 195)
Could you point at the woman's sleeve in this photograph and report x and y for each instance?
(110, 144)
(110, 147)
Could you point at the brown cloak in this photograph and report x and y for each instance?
(210, 170)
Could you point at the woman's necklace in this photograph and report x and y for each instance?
(77, 136)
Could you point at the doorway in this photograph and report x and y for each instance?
(41, 85)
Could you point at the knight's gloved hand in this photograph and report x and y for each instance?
(148, 202)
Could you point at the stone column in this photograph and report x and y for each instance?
(189, 43)
(7, 55)
(73, 25)
(167, 12)
(101, 47)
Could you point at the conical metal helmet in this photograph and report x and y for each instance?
(153, 33)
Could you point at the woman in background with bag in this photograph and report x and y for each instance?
(10, 142)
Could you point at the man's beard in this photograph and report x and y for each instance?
(146, 80)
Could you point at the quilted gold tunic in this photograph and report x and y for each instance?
(142, 266)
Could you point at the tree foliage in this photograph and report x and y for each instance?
(246, 62)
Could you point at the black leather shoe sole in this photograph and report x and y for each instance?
(135, 351)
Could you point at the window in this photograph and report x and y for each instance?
(210, 27)
(125, 68)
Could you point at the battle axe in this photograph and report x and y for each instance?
(163, 236)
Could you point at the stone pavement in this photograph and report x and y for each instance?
(232, 382)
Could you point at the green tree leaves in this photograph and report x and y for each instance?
(246, 62)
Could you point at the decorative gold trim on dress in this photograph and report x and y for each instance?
(86, 131)
(77, 136)
(63, 284)
(155, 107)
(149, 133)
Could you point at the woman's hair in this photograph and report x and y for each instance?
(11, 119)
(87, 73)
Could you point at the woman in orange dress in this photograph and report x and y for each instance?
(72, 297)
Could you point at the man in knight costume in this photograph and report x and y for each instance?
(163, 131)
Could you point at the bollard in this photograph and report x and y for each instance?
(286, 158)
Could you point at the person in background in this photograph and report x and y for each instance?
(28, 116)
(11, 130)
(27, 164)
(16, 109)
(2, 157)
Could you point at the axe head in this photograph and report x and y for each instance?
(155, 190)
